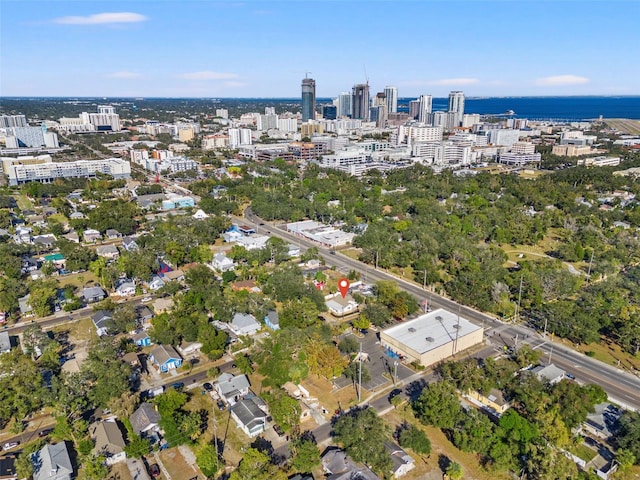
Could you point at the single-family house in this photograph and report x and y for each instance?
(129, 244)
(603, 422)
(5, 342)
(48, 211)
(293, 250)
(132, 359)
(494, 401)
(161, 305)
(142, 338)
(250, 415)
(126, 289)
(232, 388)
(112, 233)
(103, 321)
(165, 358)
(253, 242)
(338, 466)
(30, 264)
(174, 276)
(91, 236)
(272, 320)
(302, 476)
(222, 263)
(143, 315)
(57, 259)
(8, 467)
(244, 324)
(93, 294)
(108, 251)
(156, 283)
(187, 349)
(108, 441)
(44, 241)
(24, 305)
(200, 215)
(548, 374)
(402, 461)
(72, 236)
(37, 221)
(52, 462)
(145, 419)
(231, 236)
(339, 306)
(76, 215)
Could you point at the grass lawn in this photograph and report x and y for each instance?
(610, 353)
(78, 280)
(318, 388)
(23, 202)
(584, 452)
(81, 331)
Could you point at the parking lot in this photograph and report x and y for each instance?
(378, 364)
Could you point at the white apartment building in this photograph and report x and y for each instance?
(504, 136)
(211, 142)
(470, 119)
(289, 125)
(47, 171)
(418, 133)
(600, 161)
(527, 148)
(9, 121)
(222, 113)
(267, 122)
(239, 136)
(512, 158)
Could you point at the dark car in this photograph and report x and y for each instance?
(45, 432)
(207, 386)
(177, 385)
(221, 405)
(154, 470)
(278, 430)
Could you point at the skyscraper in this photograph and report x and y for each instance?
(426, 103)
(308, 99)
(329, 112)
(344, 105)
(360, 101)
(391, 94)
(414, 109)
(456, 104)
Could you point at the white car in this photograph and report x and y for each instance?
(10, 445)
(146, 299)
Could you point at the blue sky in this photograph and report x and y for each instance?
(263, 48)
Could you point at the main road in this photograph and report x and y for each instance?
(622, 387)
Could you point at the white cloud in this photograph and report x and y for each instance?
(102, 19)
(235, 84)
(124, 75)
(206, 75)
(561, 80)
(454, 82)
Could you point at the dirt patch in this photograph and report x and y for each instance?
(176, 465)
(119, 471)
(318, 388)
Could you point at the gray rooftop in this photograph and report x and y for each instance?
(163, 353)
(242, 320)
(92, 292)
(550, 373)
(5, 342)
(108, 438)
(432, 330)
(228, 384)
(52, 462)
(144, 418)
(248, 412)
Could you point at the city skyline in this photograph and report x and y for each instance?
(258, 49)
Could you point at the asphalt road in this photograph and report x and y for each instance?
(621, 386)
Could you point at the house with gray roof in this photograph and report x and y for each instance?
(104, 322)
(244, 324)
(402, 461)
(93, 294)
(145, 419)
(548, 374)
(129, 244)
(338, 466)
(108, 251)
(108, 441)
(249, 416)
(113, 233)
(5, 342)
(25, 306)
(52, 462)
(165, 358)
(232, 388)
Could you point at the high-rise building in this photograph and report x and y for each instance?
(456, 104)
(9, 121)
(269, 110)
(426, 103)
(308, 99)
(329, 112)
(344, 105)
(391, 94)
(414, 109)
(360, 102)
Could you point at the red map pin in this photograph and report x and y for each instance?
(343, 286)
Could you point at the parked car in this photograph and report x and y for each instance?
(177, 385)
(146, 299)
(207, 386)
(154, 470)
(10, 445)
(221, 405)
(45, 432)
(278, 430)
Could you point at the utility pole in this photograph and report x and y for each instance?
(517, 316)
(544, 334)
(424, 280)
(360, 374)
(395, 372)
(590, 263)
(550, 353)
(455, 342)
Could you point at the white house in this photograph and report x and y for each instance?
(253, 242)
(232, 388)
(108, 441)
(244, 324)
(126, 289)
(222, 263)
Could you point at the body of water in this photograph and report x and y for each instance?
(557, 108)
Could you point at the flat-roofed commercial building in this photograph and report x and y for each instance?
(431, 338)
